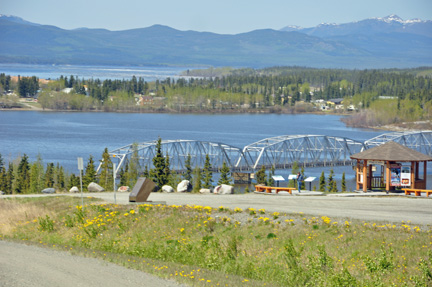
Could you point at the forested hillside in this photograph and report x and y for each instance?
(380, 97)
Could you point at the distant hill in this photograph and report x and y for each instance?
(371, 43)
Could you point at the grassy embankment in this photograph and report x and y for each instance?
(204, 246)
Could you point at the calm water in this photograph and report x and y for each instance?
(62, 137)
(87, 72)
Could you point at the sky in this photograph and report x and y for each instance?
(219, 16)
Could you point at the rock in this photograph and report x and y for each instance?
(205, 190)
(48, 190)
(123, 189)
(94, 187)
(184, 186)
(224, 189)
(167, 188)
(74, 189)
(2, 192)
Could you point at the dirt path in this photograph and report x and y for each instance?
(31, 266)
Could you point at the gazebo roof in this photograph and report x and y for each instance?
(391, 151)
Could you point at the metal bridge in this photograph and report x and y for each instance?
(281, 151)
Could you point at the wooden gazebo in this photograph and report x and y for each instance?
(394, 166)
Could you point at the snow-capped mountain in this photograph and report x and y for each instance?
(371, 26)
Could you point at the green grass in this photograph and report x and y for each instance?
(204, 246)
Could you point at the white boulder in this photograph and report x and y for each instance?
(74, 189)
(123, 189)
(224, 189)
(94, 187)
(184, 186)
(167, 188)
(205, 190)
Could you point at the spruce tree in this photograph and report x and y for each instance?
(334, 186)
(10, 176)
(225, 177)
(330, 181)
(23, 176)
(207, 174)
(106, 171)
(2, 175)
(188, 167)
(322, 182)
(260, 176)
(343, 183)
(270, 180)
(49, 175)
(90, 173)
(197, 180)
(133, 166)
(158, 173)
(36, 176)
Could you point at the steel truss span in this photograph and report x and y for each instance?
(417, 140)
(310, 150)
(178, 151)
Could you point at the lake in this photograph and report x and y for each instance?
(97, 72)
(64, 136)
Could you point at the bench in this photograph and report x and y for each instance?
(268, 189)
(417, 191)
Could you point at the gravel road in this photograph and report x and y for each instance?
(30, 266)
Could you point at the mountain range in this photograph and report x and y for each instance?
(388, 42)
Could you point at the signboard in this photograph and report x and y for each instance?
(278, 178)
(292, 176)
(405, 175)
(80, 163)
(395, 175)
(310, 179)
(375, 162)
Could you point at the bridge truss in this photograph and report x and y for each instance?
(283, 151)
(417, 140)
(178, 151)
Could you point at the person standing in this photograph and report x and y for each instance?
(299, 181)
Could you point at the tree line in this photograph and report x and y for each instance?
(22, 176)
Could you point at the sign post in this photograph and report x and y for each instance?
(80, 168)
(114, 184)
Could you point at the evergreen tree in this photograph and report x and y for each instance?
(49, 175)
(157, 173)
(322, 182)
(225, 177)
(207, 174)
(23, 176)
(260, 176)
(10, 176)
(36, 176)
(123, 177)
(334, 186)
(106, 171)
(270, 180)
(167, 169)
(90, 173)
(197, 180)
(188, 167)
(74, 181)
(2, 175)
(60, 178)
(303, 174)
(330, 181)
(343, 183)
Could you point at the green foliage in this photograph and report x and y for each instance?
(23, 176)
(322, 182)
(159, 173)
(225, 177)
(46, 224)
(197, 178)
(106, 171)
(330, 181)
(260, 176)
(343, 183)
(207, 173)
(188, 166)
(90, 173)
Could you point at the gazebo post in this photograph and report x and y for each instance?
(387, 164)
(365, 178)
(414, 173)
